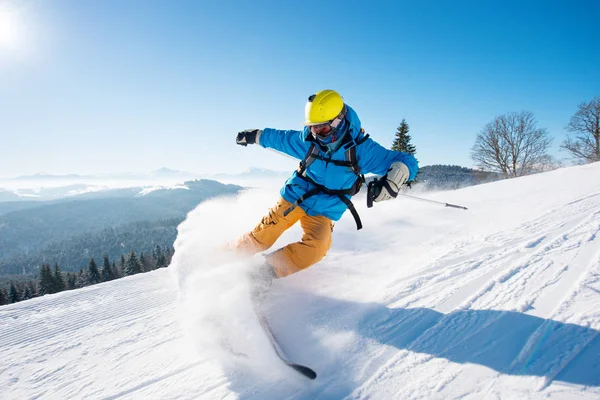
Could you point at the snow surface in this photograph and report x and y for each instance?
(498, 302)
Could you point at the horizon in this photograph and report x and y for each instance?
(112, 86)
(42, 174)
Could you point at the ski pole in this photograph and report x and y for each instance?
(433, 201)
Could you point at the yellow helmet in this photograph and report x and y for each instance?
(323, 107)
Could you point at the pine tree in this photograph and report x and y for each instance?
(159, 257)
(107, 272)
(168, 256)
(93, 274)
(122, 264)
(3, 297)
(47, 284)
(59, 282)
(402, 139)
(132, 266)
(26, 294)
(82, 279)
(144, 263)
(71, 281)
(13, 294)
(115, 270)
(32, 288)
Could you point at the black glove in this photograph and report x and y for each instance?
(374, 189)
(387, 187)
(247, 137)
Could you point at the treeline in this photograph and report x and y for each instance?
(78, 249)
(71, 231)
(53, 280)
(452, 177)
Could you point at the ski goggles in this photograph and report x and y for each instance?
(323, 130)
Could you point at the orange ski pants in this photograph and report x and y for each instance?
(315, 242)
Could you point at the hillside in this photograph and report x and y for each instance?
(70, 231)
(500, 301)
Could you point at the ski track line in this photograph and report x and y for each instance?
(514, 255)
(535, 340)
(508, 251)
(388, 366)
(26, 333)
(581, 284)
(560, 237)
(522, 264)
(105, 311)
(439, 328)
(22, 335)
(65, 298)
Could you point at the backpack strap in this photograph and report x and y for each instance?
(340, 193)
(351, 162)
(313, 152)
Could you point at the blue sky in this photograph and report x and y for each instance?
(120, 85)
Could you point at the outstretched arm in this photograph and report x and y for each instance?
(289, 142)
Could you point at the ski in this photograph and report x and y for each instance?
(304, 370)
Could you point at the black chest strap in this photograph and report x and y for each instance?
(350, 162)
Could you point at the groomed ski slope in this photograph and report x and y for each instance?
(498, 302)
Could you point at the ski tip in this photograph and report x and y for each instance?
(307, 372)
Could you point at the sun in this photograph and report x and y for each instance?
(9, 28)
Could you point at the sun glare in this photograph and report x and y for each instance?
(9, 32)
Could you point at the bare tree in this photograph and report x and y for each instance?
(512, 145)
(585, 124)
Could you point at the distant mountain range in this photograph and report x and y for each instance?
(69, 231)
(43, 187)
(158, 174)
(253, 173)
(162, 173)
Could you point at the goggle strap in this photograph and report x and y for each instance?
(338, 120)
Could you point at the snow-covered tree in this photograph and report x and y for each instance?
(13, 294)
(122, 265)
(82, 279)
(59, 281)
(585, 124)
(159, 257)
(132, 265)
(71, 281)
(107, 271)
(145, 263)
(93, 273)
(26, 293)
(47, 283)
(116, 272)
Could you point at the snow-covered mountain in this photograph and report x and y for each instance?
(161, 172)
(426, 302)
(42, 187)
(252, 174)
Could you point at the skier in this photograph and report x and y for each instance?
(334, 153)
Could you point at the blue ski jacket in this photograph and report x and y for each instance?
(371, 156)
